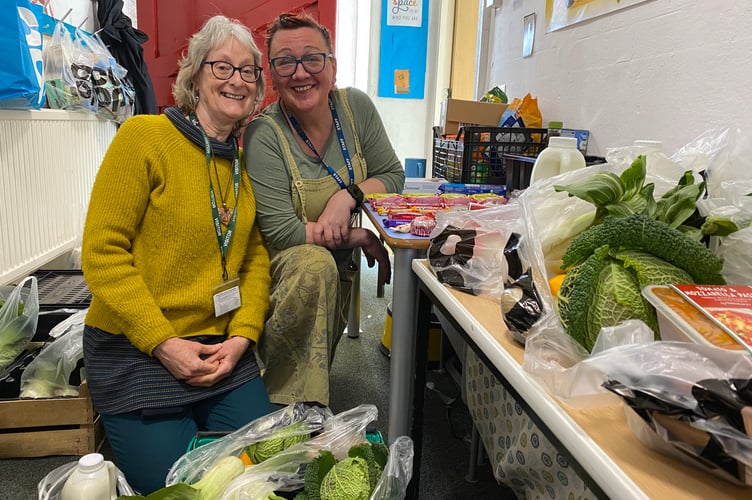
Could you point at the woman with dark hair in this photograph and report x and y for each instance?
(316, 153)
(176, 265)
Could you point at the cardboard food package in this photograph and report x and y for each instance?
(457, 112)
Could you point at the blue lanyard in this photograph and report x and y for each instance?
(342, 145)
(224, 243)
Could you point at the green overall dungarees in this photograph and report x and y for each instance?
(310, 291)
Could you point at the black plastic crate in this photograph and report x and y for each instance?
(59, 292)
(476, 156)
(62, 288)
(518, 170)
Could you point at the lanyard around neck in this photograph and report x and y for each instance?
(224, 242)
(342, 145)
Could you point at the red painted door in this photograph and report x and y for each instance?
(169, 24)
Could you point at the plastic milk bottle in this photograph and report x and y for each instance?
(560, 156)
(94, 478)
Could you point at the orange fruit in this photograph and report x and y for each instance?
(555, 283)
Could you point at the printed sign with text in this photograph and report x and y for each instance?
(405, 13)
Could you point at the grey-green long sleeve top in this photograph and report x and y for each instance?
(266, 162)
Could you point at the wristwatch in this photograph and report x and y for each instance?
(357, 195)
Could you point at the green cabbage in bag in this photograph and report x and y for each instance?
(19, 314)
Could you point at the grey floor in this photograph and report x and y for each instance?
(360, 375)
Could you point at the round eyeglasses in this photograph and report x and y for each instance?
(223, 70)
(288, 65)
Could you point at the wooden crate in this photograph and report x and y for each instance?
(45, 427)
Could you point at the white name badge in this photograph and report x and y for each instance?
(227, 296)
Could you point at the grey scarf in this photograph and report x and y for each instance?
(224, 150)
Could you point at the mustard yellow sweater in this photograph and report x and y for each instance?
(150, 254)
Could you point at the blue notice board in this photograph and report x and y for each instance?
(404, 41)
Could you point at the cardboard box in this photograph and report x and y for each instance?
(582, 137)
(46, 427)
(456, 112)
(417, 185)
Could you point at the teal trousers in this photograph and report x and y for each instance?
(147, 443)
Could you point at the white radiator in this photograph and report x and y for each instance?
(48, 161)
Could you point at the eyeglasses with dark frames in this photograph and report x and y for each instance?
(223, 70)
(287, 65)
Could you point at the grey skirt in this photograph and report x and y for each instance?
(122, 379)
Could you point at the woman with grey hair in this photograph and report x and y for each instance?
(176, 265)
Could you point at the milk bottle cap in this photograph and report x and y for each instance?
(90, 462)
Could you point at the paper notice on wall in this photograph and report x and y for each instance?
(403, 48)
(561, 13)
(405, 13)
(401, 81)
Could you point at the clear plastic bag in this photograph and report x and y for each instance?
(734, 249)
(59, 81)
(689, 401)
(49, 375)
(80, 72)
(569, 372)
(296, 419)
(19, 313)
(285, 470)
(112, 90)
(398, 471)
(553, 219)
(51, 485)
(466, 250)
(491, 253)
(729, 185)
(81, 62)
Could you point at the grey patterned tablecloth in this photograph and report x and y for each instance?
(521, 456)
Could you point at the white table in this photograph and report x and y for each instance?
(598, 442)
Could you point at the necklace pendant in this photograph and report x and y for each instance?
(225, 214)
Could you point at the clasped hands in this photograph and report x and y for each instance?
(198, 364)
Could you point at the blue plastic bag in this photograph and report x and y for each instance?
(21, 75)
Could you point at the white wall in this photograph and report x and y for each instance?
(663, 69)
(83, 13)
(80, 13)
(408, 122)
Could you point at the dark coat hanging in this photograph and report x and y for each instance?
(124, 42)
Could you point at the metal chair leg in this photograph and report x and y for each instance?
(472, 470)
(380, 286)
(353, 314)
(353, 317)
